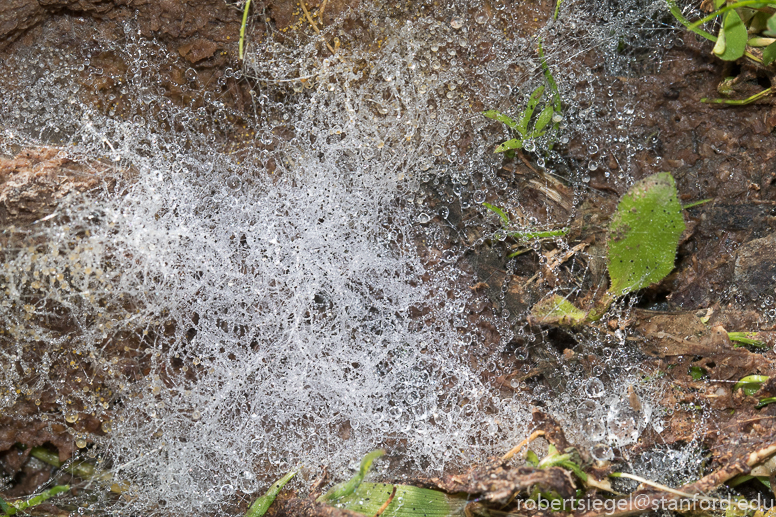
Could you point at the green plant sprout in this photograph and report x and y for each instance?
(522, 236)
(697, 373)
(747, 29)
(242, 27)
(751, 384)
(550, 113)
(746, 338)
(13, 507)
(390, 500)
(643, 236)
(262, 504)
(348, 487)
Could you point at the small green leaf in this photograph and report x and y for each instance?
(495, 115)
(718, 4)
(6, 508)
(533, 101)
(499, 212)
(532, 458)
(556, 310)
(527, 236)
(769, 54)
(751, 384)
(764, 402)
(746, 338)
(515, 143)
(408, 501)
(544, 118)
(697, 373)
(772, 24)
(734, 35)
(349, 486)
(262, 504)
(644, 234)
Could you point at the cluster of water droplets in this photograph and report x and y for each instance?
(300, 296)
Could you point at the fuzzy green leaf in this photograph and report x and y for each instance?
(644, 234)
(697, 373)
(556, 310)
(408, 501)
(732, 38)
(769, 54)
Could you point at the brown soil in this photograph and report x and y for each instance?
(726, 268)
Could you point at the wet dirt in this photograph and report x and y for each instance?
(725, 269)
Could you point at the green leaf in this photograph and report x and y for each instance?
(644, 234)
(34, 500)
(408, 501)
(732, 38)
(544, 118)
(697, 373)
(495, 115)
(262, 504)
(769, 54)
(690, 26)
(532, 458)
(751, 384)
(771, 23)
(348, 487)
(6, 508)
(746, 338)
(515, 143)
(527, 236)
(496, 210)
(718, 3)
(556, 310)
(533, 101)
(764, 402)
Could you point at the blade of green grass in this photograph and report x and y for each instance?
(348, 487)
(262, 504)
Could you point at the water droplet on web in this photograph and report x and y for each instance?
(456, 22)
(423, 218)
(601, 452)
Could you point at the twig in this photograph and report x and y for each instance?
(386, 503)
(515, 450)
(315, 27)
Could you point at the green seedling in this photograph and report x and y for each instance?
(81, 469)
(643, 236)
(751, 384)
(540, 127)
(262, 504)
(13, 507)
(349, 486)
(697, 373)
(522, 236)
(389, 500)
(242, 27)
(746, 338)
(764, 402)
(747, 29)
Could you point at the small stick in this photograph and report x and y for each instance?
(386, 503)
(315, 27)
(515, 450)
